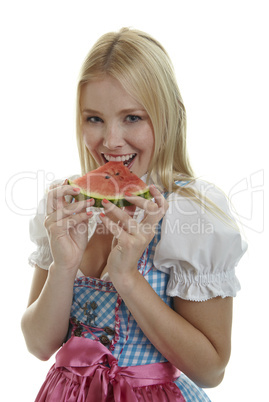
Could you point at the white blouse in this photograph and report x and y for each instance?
(198, 249)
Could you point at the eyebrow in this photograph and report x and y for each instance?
(90, 111)
(123, 111)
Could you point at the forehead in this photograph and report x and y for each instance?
(106, 91)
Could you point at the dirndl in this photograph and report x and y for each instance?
(107, 357)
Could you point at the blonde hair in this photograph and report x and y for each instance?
(144, 69)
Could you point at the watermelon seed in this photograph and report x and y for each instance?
(116, 174)
(107, 177)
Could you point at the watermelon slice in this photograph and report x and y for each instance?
(110, 181)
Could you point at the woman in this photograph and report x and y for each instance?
(150, 287)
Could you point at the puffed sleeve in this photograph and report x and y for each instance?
(38, 235)
(198, 249)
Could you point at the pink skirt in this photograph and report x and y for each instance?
(86, 371)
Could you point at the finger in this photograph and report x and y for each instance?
(78, 222)
(113, 227)
(58, 184)
(70, 209)
(151, 207)
(70, 222)
(56, 197)
(121, 217)
(157, 195)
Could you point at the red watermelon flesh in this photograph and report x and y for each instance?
(110, 181)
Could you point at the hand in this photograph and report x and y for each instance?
(67, 227)
(131, 238)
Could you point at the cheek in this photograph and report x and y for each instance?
(89, 140)
(150, 141)
(91, 143)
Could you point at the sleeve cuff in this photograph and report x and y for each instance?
(203, 287)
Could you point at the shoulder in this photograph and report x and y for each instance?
(197, 193)
(199, 203)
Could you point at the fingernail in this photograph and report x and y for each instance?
(76, 189)
(90, 200)
(102, 214)
(128, 194)
(105, 201)
(89, 213)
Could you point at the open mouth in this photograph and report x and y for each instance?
(126, 159)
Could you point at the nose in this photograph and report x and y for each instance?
(113, 137)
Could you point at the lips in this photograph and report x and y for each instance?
(126, 159)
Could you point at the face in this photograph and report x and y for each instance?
(115, 127)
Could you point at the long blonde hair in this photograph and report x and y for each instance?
(143, 67)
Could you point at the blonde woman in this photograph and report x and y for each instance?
(139, 300)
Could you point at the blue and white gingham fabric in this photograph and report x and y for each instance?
(190, 391)
(90, 304)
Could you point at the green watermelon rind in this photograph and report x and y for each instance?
(119, 201)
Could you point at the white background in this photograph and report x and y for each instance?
(220, 53)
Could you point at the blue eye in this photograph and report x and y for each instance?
(93, 119)
(133, 118)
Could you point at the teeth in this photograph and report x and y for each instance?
(123, 158)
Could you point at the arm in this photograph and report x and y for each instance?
(45, 322)
(195, 336)
(46, 319)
